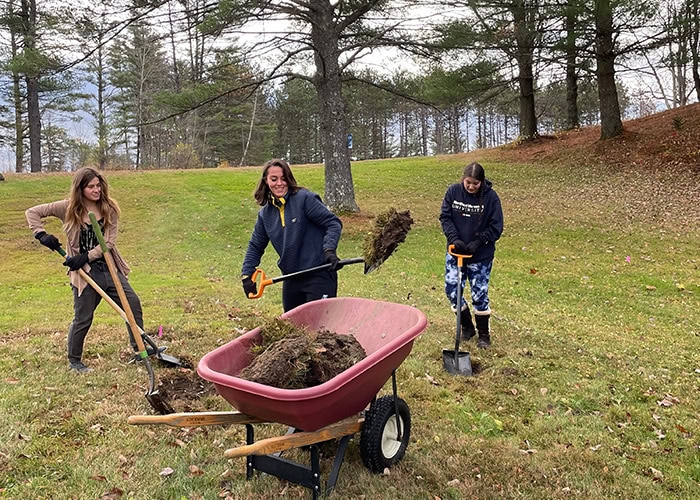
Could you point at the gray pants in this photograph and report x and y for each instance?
(84, 307)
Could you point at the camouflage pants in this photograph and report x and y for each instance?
(479, 274)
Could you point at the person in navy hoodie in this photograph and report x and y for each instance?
(472, 220)
(303, 232)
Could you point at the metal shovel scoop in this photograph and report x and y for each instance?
(456, 362)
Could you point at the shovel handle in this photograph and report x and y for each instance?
(118, 285)
(460, 257)
(100, 291)
(265, 281)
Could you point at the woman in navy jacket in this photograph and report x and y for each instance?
(303, 232)
(472, 220)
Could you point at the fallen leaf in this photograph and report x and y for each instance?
(12, 380)
(596, 447)
(97, 477)
(112, 494)
(514, 392)
(431, 379)
(543, 391)
(533, 271)
(166, 472)
(680, 286)
(651, 287)
(196, 471)
(656, 474)
(453, 482)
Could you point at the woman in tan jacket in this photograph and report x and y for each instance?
(89, 193)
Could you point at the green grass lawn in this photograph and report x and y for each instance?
(591, 388)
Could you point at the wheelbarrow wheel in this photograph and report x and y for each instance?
(380, 446)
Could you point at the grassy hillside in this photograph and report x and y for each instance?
(591, 387)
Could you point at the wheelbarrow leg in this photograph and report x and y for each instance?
(308, 476)
(339, 457)
(396, 405)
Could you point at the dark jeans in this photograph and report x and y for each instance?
(84, 307)
(320, 285)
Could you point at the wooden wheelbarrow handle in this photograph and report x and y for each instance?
(265, 281)
(297, 439)
(195, 419)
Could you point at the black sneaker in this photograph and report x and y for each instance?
(80, 367)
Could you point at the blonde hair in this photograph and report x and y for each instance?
(77, 210)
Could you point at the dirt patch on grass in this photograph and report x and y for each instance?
(184, 389)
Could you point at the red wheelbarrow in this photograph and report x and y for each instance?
(339, 408)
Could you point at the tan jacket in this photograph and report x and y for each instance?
(35, 216)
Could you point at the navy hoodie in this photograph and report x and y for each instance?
(468, 217)
(309, 228)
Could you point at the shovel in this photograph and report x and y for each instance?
(264, 280)
(456, 362)
(160, 356)
(156, 400)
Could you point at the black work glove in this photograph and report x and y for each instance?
(332, 259)
(473, 246)
(48, 240)
(461, 248)
(76, 262)
(249, 286)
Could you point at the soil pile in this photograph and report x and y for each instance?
(389, 229)
(184, 389)
(302, 358)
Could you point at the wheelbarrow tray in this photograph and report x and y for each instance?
(385, 330)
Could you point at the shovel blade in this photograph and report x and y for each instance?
(457, 365)
(158, 403)
(172, 361)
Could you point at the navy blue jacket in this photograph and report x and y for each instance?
(309, 228)
(467, 217)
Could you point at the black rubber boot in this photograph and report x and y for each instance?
(468, 330)
(482, 325)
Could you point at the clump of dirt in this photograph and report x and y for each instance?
(184, 389)
(275, 329)
(389, 229)
(294, 357)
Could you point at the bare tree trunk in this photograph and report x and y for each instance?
(32, 80)
(610, 120)
(17, 104)
(340, 191)
(439, 134)
(101, 116)
(423, 116)
(572, 120)
(694, 20)
(524, 35)
(250, 129)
